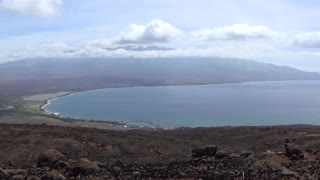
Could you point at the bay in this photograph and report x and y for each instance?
(242, 104)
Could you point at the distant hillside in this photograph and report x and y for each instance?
(46, 75)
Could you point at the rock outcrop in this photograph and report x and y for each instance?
(293, 151)
(85, 167)
(49, 158)
(209, 150)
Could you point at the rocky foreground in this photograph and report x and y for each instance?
(45, 152)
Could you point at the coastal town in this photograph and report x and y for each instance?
(6, 108)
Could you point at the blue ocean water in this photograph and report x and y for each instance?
(253, 103)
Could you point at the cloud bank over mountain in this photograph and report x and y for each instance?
(263, 31)
(307, 40)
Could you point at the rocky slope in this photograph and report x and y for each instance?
(47, 152)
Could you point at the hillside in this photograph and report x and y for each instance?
(47, 75)
(48, 152)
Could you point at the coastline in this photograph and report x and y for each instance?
(47, 102)
(72, 120)
(101, 124)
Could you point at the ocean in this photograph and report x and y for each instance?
(239, 104)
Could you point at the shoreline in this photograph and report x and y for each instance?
(56, 115)
(82, 122)
(47, 102)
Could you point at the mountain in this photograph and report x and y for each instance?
(55, 74)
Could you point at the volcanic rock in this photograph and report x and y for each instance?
(294, 151)
(85, 167)
(286, 172)
(60, 165)
(4, 174)
(53, 175)
(222, 154)
(246, 153)
(18, 177)
(50, 158)
(13, 172)
(209, 150)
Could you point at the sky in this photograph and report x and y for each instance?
(281, 32)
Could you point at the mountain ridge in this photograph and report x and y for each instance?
(55, 74)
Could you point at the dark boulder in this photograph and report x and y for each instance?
(222, 154)
(13, 172)
(4, 174)
(136, 174)
(246, 154)
(294, 151)
(285, 172)
(287, 140)
(53, 175)
(18, 177)
(50, 158)
(234, 156)
(209, 150)
(85, 167)
(61, 165)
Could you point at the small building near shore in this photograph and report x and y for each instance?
(6, 108)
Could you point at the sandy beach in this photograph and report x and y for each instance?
(55, 119)
(46, 97)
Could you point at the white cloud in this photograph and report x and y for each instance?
(307, 40)
(102, 42)
(36, 8)
(55, 45)
(156, 31)
(235, 32)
